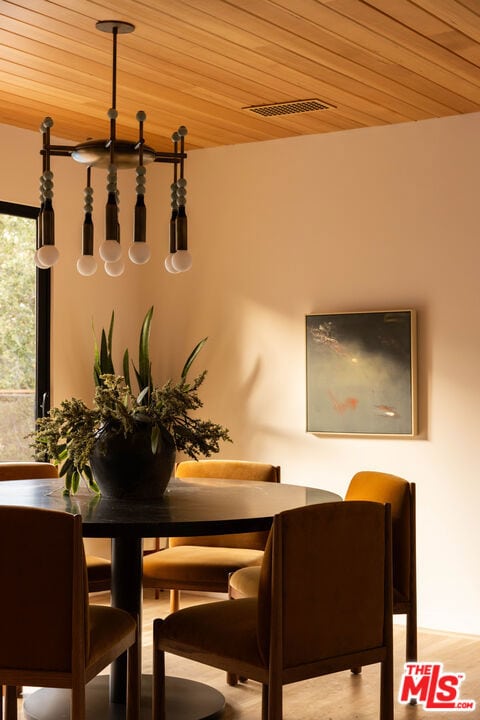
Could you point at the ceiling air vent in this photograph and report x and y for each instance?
(289, 108)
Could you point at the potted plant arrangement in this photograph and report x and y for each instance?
(125, 446)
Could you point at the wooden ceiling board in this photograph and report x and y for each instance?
(375, 62)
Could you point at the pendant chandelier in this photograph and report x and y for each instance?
(114, 154)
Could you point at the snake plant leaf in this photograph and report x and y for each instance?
(96, 357)
(103, 363)
(144, 372)
(106, 362)
(192, 357)
(110, 334)
(126, 369)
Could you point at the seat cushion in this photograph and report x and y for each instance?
(243, 583)
(225, 629)
(107, 627)
(99, 568)
(193, 567)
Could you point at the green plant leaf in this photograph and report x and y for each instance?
(68, 481)
(110, 334)
(141, 395)
(126, 369)
(90, 479)
(66, 469)
(103, 362)
(106, 362)
(144, 372)
(96, 358)
(144, 364)
(75, 481)
(192, 357)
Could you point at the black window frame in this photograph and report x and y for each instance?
(43, 283)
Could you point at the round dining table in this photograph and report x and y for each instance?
(189, 507)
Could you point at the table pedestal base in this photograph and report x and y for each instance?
(185, 700)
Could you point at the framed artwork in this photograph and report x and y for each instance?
(361, 373)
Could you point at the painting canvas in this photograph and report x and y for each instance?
(361, 373)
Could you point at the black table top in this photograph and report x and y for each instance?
(188, 507)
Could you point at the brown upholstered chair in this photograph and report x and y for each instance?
(204, 563)
(53, 637)
(324, 604)
(99, 568)
(386, 488)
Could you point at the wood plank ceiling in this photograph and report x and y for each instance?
(202, 62)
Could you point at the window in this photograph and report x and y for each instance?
(24, 331)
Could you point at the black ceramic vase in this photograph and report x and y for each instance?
(125, 466)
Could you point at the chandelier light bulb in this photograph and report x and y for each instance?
(38, 263)
(169, 263)
(182, 260)
(115, 269)
(86, 265)
(47, 256)
(139, 253)
(110, 251)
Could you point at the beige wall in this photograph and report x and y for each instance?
(375, 219)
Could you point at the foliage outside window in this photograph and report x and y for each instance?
(17, 335)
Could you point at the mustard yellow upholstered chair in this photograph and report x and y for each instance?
(99, 568)
(324, 604)
(204, 563)
(386, 488)
(52, 637)
(378, 487)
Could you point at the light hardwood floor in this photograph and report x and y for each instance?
(341, 696)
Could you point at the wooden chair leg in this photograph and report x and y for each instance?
(386, 689)
(411, 633)
(133, 681)
(275, 698)
(10, 702)
(78, 702)
(265, 694)
(356, 670)
(232, 679)
(158, 689)
(174, 600)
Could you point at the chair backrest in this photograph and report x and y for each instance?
(325, 583)
(386, 488)
(27, 470)
(231, 470)
(43, 590)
